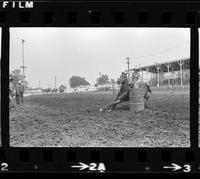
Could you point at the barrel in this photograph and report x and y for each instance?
(136, 99)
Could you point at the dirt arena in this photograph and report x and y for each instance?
(74, 120)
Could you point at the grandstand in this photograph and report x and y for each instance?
(170, 73)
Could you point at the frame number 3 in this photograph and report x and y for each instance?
(186, 168)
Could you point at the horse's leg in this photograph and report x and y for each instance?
(146, 100)
(113, 105)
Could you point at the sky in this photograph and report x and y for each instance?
(85, 52)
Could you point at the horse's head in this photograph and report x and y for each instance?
(123, 78)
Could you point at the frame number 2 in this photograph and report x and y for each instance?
(4, 167)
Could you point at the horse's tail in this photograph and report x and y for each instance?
(149, 90)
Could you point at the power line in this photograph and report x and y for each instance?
(162, 51)
(18, 37)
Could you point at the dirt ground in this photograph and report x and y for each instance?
(74, 120)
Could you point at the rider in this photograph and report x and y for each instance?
(137, 82)
(134, 79)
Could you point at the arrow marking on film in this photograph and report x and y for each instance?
(82, 166)
(174, 167)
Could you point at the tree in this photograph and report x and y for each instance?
(17, 76)
(112, 80)
(102, 80)
(76, 81)
(62, 88)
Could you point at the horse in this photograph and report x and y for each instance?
(54, 90)
(46, 90)
(123, 94)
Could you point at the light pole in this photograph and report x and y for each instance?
(55, 83)
(23, 67)
(128, 62)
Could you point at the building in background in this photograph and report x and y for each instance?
(169, 73)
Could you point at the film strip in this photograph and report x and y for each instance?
(72, 159)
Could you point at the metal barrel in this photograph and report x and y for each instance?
(136, 99)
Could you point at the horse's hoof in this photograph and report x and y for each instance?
(87, 110)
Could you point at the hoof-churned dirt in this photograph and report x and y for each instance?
(74, 120)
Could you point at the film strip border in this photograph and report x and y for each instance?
(99, 160)
(177, 14)
(130, 14)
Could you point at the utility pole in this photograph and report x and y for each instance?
(181, 71)
(23, 67)
(128, 63)
(55, 82)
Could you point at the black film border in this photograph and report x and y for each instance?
(101, 14)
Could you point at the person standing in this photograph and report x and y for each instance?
(19, 94)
